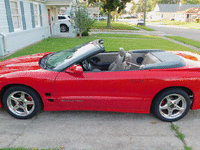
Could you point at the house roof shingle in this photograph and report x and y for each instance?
(174, 7)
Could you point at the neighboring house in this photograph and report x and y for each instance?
(169, 11)
(188, 15)
(24, 22)
(93, 12)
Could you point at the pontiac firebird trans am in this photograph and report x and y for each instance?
(87, 78)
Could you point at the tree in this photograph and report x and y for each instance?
(81, 18)
(139, 7)
(190, 1)
(110, 6)
(166, 1)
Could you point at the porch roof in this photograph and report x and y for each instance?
(59, 2)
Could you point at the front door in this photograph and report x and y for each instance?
(100, 90)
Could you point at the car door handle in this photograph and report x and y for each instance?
(136, 80)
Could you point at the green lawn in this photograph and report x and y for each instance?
(111, 43)
(185, 40)
(114, 26)
(191, 25)
(127, 36)
(146, 28)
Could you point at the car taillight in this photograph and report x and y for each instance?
(69, 20)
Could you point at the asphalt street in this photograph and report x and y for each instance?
(193, 34)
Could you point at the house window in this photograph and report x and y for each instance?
(36, 14)
(14, 4)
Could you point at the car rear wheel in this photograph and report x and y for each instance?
(171, 105)
(21, 102)
(64, 28)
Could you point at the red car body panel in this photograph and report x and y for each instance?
(121, 91)
(106, 90)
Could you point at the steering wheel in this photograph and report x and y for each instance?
(86, 65)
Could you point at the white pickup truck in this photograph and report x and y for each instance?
(64, 21)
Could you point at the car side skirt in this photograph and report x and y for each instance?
(99, 109)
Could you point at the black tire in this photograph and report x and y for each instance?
(171, 105)
(64, 28)
(25, 102)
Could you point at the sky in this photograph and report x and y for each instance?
(129, 5)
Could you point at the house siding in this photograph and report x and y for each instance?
(11, 42)
(27, 11)
(3, 18)
(45, 21)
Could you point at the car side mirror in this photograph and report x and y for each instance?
(75, 69)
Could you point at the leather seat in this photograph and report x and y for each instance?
(150, 59)
(126, 64)
(118, 61)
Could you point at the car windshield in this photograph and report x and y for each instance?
(58, 58)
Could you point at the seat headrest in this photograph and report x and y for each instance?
(121, 52)
(128, 57)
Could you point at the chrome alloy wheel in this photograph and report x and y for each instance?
(20, 103)
(172, 106)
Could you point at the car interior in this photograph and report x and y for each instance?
(121, 60)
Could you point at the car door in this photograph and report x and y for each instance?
(100, 90)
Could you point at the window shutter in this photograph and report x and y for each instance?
(32, 15)
(40, 9)
(9, 16)
(23, 15)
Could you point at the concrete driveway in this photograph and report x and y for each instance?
(97, 130)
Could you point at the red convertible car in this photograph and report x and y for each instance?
(87, 78)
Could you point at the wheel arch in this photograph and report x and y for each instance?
(187, 90)
(63, 24)
(3, 90)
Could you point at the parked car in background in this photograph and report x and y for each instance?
(101, 17)
(140, 22)
(64, 21)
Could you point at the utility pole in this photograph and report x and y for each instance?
(145, 7)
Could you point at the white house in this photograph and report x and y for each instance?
(93, 11)
(25, 22)
(168, 11)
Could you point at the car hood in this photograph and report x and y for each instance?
(24, 63)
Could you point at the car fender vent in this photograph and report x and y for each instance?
(48, 94)
(51, 100)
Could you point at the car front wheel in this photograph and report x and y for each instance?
(21, 102)
(171, 105)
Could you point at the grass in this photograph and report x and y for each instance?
(185, 40)
(146, 28)
(191, 25)
(180, 135)
(114, 26)
(51, 45)
(127, 36)
(112, 42)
